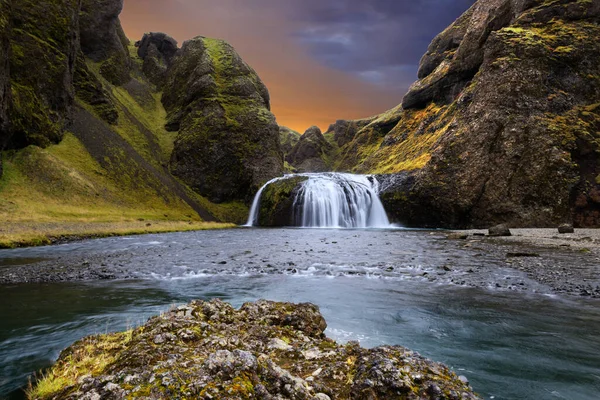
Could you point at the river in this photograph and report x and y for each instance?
(375, 286)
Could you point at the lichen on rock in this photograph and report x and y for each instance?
(228, 140)
(264, 350)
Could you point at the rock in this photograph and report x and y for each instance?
(157, 50)
(499, 230)
(103, 39)
(493, 130)
(43, 53)
(4, 75)
(457, 236)
(344, 131)
(311, 153)
(228, 141)
(276, 206)
(231, 359)
(566, 228)
(90, 90)
(288, 138)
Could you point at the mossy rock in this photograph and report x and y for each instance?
(228, 141)
(263, 350)
(43, 52)
(277, 202)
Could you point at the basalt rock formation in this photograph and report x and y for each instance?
(4, 75)
(288, 139)
(228, 140)
(503, 125)
(312, 153)
(157, 50)
(82, 118)
(264, 350)
(103, 39)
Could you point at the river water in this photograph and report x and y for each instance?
(374, 286)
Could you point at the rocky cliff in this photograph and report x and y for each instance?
(503, 124)
(264, 350)
(228, 140)
(312, 153)
(82, 124)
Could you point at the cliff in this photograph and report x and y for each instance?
(87, 135)
(503, 125)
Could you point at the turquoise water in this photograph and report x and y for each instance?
(511, 345)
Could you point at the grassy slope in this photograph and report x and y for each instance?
(64, 190)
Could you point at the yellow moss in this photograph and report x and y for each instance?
(90, 357)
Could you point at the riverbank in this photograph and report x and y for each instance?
(27, 234)
(566, 263)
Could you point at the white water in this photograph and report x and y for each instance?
(333, 200)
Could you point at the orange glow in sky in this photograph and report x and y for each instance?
(303, 91)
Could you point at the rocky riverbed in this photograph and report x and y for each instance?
(264, 350)
(532, 260)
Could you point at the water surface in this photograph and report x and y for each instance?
(372, 286)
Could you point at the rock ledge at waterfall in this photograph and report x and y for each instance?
(264, 350)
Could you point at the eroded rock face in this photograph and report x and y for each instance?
(228, 142)
(288, 138)
(103, 39)
(4, 74)
(264, 350)
(311, 152)
(157, 50)
(503, 125)
(44, 44)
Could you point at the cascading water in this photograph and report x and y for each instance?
(332, 200)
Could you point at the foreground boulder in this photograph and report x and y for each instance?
(264, 350)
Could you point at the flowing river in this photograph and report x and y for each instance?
(375, 286)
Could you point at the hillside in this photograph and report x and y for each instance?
(91, 134)
(503, 125)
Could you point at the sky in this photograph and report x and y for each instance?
(322, 60)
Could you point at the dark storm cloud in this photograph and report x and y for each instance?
(379, 40)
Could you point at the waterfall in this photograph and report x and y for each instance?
(333, 200)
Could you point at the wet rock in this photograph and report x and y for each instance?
(237, 354)
(457, 236)
(499, 230)
(566, 228)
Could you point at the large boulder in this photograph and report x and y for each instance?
(228, 141)
(311, 153)
(277, 202)
(103, 39)
(264, 350)
(44, 44)
(503, 125)
(157, 50)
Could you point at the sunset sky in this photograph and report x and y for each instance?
(322, 60)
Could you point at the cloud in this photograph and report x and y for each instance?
(322, 60)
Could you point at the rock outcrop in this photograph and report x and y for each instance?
(4, 74)
(228, 141)
(103, 39)
(288, 139)
(44, 44)
(157, 50)
(264, 350)
(312, 153)
(503, 125)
